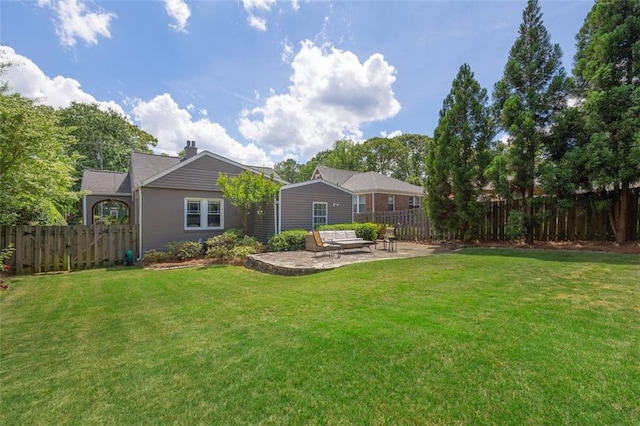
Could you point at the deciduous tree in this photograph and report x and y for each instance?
(35, 172)
(248, 191)
(103, 139)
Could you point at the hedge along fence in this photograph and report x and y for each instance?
(67, 248)
(584, 221)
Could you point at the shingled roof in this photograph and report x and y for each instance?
(336, 176)
(378, 183)
(368, 182)
(102, 182)
(144, 166)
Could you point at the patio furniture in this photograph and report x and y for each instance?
(324, 247)
(389, 240)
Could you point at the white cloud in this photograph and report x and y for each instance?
(173, 126)
(295, 5)
(252, 7)
(391, 135)
(75, 21)
(180, 11)
(26, 78)
(257, 23)
(287, 50)
(331, 95)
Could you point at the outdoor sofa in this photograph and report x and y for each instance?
(344, 239)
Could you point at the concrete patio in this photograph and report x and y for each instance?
(306, 262)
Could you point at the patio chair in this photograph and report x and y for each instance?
(321, 246)
(389, 239)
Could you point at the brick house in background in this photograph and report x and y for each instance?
(373, 191)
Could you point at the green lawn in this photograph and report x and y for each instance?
(479, 337)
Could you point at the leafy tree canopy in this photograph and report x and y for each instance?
(248, 191)
(36, 174)
(103, 139)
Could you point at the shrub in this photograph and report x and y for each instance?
(155, 256)
(222, 246)
(243, 251)
(291, 240)
(515, 226)
(184, 250)
(367, 231)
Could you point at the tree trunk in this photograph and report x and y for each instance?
(618, 214)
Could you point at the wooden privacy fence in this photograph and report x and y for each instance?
(582, 222)
(68, 248)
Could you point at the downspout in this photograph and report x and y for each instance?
(279, 213)
(84, 209)
(139, 222)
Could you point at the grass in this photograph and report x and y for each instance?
(482, 337)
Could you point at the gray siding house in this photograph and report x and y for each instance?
(177, 199)
(306, 205)
(172, 199)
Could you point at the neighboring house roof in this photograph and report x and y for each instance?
(364, 183)
(336, 176)
(105, 183)
(376, 182)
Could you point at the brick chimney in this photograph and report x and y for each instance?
(190, 150)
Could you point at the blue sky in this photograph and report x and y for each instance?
(259, 81)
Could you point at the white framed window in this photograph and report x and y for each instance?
(319, 214)
(391, 201)
(359, 203)
(414, 202)
(204, 213)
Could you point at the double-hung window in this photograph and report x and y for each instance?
(359, 204)
(319, 214)
(414, 202)
(203, 213)
(391, 203)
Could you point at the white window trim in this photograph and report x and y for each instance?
(393, 202)
(204, 212)
(357, 204)
(415, 202)
(313, 213)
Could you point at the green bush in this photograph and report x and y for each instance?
(184, 250)
(366, 231)
(155, 256)
(222, 246)
(243, 251)
(291, 240)
(515, 226)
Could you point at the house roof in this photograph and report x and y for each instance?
(368, 182)
(143, 166)
(336, 176)
(315, 182)
(267, 171)
(105, 183)
(376, 182)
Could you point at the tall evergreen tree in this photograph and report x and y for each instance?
(458, 156)
(607, 72)
(530, 94)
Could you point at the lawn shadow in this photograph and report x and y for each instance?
(577, 256)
